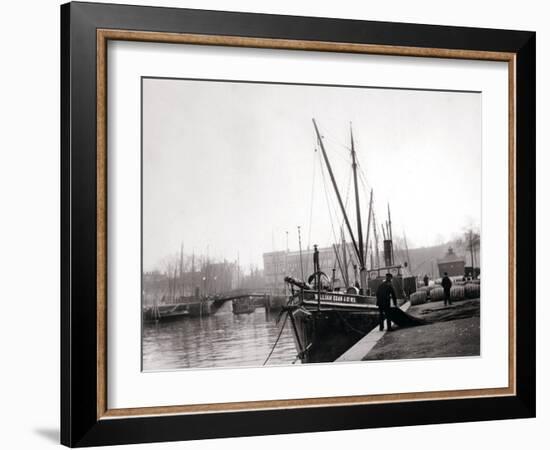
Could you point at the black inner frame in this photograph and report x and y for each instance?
(79, 424)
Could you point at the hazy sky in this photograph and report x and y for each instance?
(229, 167)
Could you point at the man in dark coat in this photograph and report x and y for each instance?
(426, 280)
(384, 293)
(446, 283)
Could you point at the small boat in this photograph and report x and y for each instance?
(245, 305)
(165, 312)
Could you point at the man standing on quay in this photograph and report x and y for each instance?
(446, 283)
(383, 294)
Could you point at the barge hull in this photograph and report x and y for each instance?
(325, 334)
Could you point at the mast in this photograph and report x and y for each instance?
(317, 272)
(182, 286)
(389, 224)
(340, 202)
(174, 283)
(193, 287)
(390, 235)
(368, 229)
(376, 240)
(286, 258)
(361, 254)
(407, 250)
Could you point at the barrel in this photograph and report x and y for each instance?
(418, 298)
(457, 293)
(425, 289)
(472, 290)
(437, 294)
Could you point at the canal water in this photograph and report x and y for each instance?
(221, 340)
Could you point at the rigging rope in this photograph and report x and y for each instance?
(330, 207)
(329, 204)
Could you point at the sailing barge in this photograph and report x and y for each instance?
(326, 321)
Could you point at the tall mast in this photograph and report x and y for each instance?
(182, 286)
(368, 228)
(357, 203)
(193, 287)
(389, 224)
(361, 255)
(390, 234)
(174, 283)
(376, 240)
(340, 202)
(407, 250)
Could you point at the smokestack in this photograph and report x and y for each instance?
(388, 256)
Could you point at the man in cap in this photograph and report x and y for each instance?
(446, 284)
(384, 293)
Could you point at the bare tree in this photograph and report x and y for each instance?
(469, 243)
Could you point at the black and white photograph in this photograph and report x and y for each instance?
(278, 225)
(294, 224)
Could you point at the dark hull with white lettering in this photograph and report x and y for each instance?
(325, 327)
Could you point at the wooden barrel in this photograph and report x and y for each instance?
(418, 298)
(437, 294)
(472, 290)
(457, 293)
(427, 290)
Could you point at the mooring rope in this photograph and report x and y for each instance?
(277, 341)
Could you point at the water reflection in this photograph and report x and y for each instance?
(221, 340)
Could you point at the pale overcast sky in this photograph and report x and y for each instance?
(229, 167)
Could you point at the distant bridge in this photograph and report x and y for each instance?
(237, 294)
(198, 307)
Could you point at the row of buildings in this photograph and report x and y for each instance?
(216, 278)
(211, 279)
(431, 261)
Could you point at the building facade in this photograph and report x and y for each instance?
(451, 263)
(280, 264)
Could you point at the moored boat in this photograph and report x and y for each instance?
(326, 323)
(327, 320)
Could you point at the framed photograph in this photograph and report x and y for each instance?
(277, 224)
